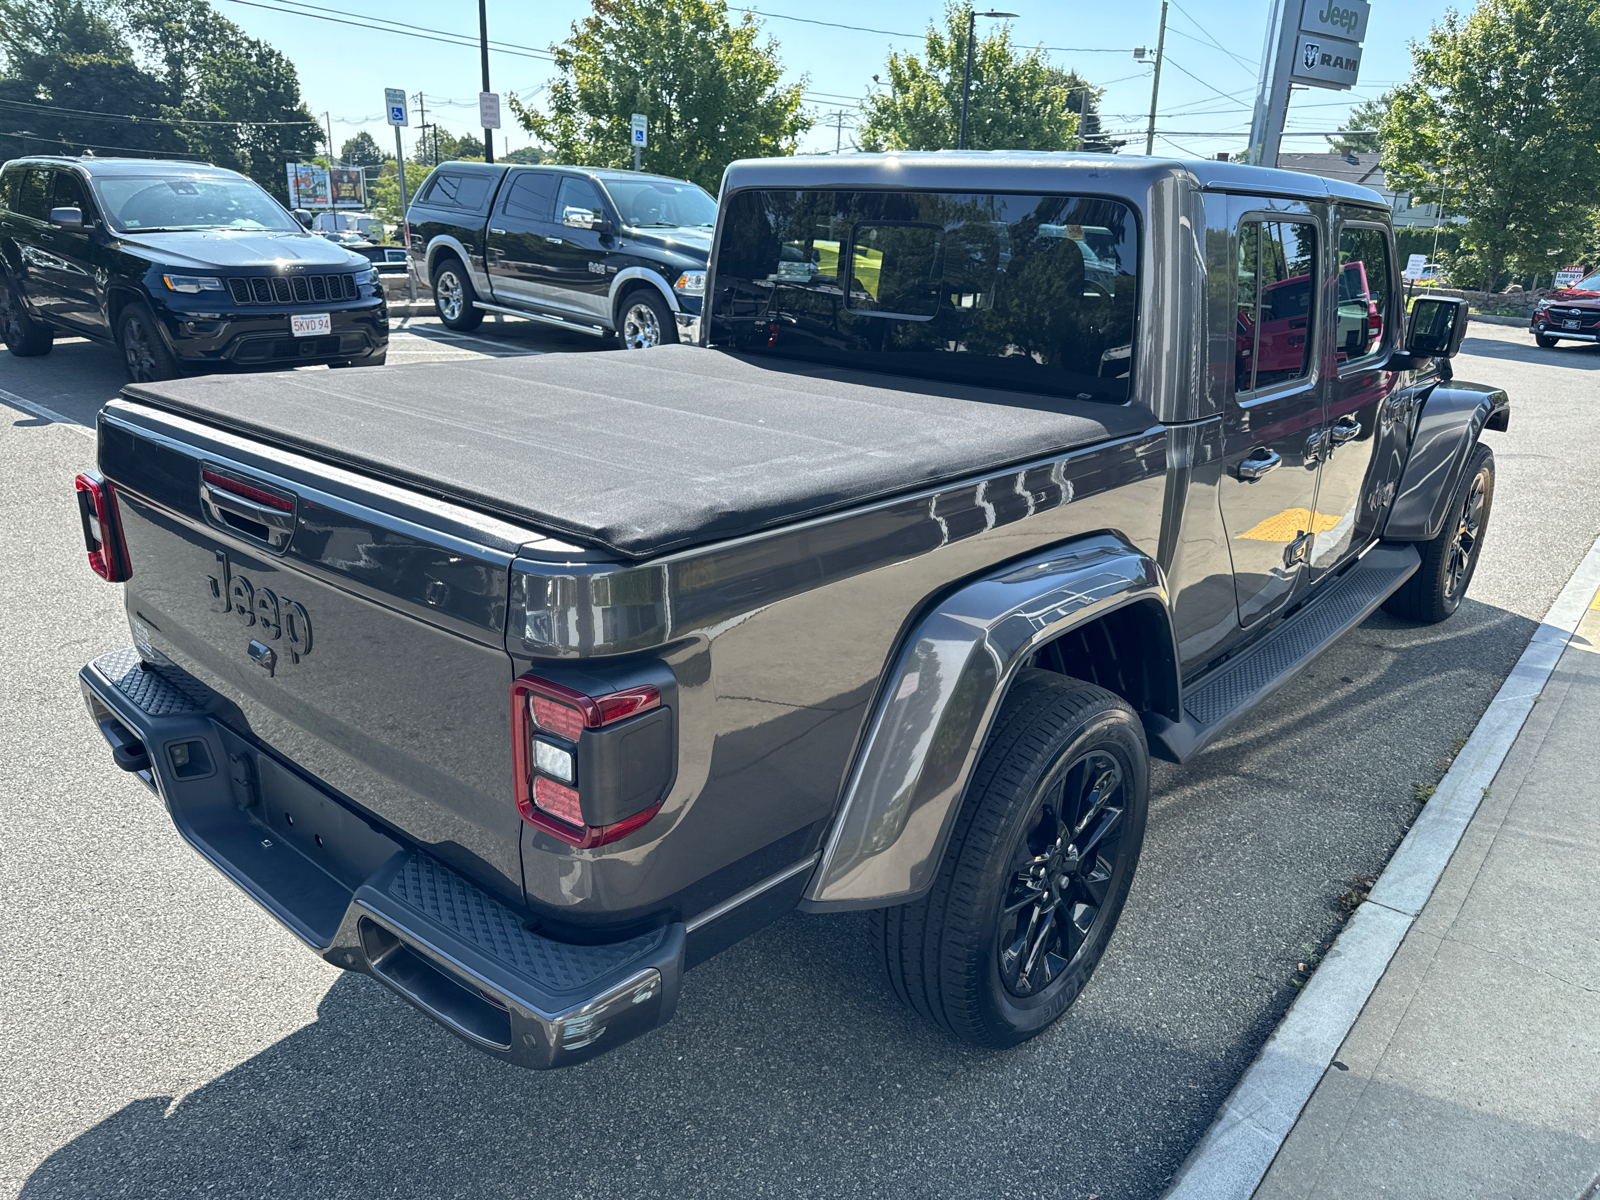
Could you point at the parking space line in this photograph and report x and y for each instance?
(436, 334)
(48, 414)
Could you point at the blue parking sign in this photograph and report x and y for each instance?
(397, 115)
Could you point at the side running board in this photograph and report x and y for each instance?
(1221, 697)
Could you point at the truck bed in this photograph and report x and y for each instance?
(641, 454)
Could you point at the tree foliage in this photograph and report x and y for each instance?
(711, 90)
(1369, 114)
(1016, 102)
(168, 77)
(361, 151)
(1503, 111)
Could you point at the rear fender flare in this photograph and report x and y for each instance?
(1452, 417)
(939, 700)
(445, 244)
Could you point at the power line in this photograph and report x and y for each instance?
(84, 112)
(1204, 84)
(918, 36)
(145, 150)
(1242, 62)
(444, 36)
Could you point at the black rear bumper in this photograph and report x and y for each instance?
(367, 902)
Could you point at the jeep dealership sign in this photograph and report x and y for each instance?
(1328, 52)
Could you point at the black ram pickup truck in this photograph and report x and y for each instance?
(184, 268)
(614, 254)
(524, 687)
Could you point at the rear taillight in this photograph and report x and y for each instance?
(102, 529)
(578, 754)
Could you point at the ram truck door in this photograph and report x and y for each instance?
(518, 227)
(1272, 429)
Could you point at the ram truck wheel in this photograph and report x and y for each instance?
(644, 321)
(1037, 870)
(455, 297)
(23, 336)
(1449, 561)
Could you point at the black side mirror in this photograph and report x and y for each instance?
(1436, 326)
(67, 218)
(303, 216)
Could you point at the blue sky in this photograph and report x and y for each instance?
(1213, 51)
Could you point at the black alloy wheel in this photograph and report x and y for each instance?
(23, 336)
(1061, 873)
(143, 352)
(1451, 559)
(1037, 870)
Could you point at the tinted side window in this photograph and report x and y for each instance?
(69, 193)
(577, 193)
(1277, 288)
(33, 195)
(1363, 293)
(1031, 292)
(9, 176)
(459, 191)
(530, 196)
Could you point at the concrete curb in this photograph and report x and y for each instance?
(1233, 1157)
(1491, 319)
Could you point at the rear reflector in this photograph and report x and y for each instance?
(102, 529)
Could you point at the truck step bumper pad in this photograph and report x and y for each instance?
(1226, 694)
(368, 903)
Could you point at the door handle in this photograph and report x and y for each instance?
(1258, 464)
(553, 241)
(499, 231)
(1344, 429)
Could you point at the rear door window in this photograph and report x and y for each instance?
(33, 194)
(530, 196)
(1030, 292)
(1277, 287)
(451, 190)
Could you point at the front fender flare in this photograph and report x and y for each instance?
(629, 275)
(1452, 417)
(938, 702)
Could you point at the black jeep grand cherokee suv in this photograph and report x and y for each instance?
(184, 267)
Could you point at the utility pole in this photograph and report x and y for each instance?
(1083, 118)
(329, 119)
(483, 52)
(1155, 84)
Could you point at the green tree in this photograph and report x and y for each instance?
(1503, 110)
(711, 90)
(522, 154)
(1369, 114)
(361, 151)
(62, 59)
(1015, 102)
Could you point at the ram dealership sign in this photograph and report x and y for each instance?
(1328, 52)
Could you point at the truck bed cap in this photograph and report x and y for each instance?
(644, 453)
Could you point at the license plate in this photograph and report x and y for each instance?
(1569, 324)
(311, 324)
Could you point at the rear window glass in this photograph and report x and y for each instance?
(458, 191)
(1032, 292)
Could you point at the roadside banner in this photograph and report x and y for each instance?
(308, 186)
(1568, 276)
(348, 187)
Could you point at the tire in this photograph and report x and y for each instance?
(1449, 561)
(455, 297)
(23, 335)
(1544, 341)
(645, 321)
(954, 955)
(371, 360)
(144, 353)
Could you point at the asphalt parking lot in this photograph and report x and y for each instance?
(166, 1038)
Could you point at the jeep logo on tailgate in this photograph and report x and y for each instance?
(275, 618)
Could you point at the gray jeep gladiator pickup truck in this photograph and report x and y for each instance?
(524, 686)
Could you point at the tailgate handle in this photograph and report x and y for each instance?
(248, 508)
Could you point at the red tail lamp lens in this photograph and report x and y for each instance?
(558, 799)
(553, 711)
(102, 531)
(245, 491)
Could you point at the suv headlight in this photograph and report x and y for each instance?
(191, 284)
(691, 283)
(367, 275)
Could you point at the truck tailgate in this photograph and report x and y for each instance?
(353, 628)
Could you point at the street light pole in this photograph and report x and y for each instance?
(966, 84)
(483, 53)
(1155, 86)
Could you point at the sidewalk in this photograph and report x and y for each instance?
(1474, 1068)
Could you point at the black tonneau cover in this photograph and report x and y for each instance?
(646, 452)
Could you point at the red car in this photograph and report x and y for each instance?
(1573, 312)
